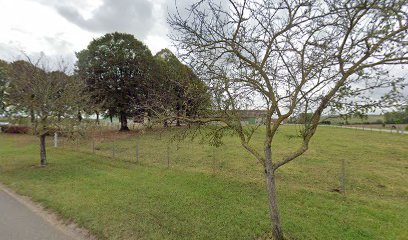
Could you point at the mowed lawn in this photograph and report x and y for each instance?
(209, 193)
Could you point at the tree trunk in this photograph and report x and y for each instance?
(123, 122)
(178, 124)
(79, 116)
(32, 116)
(272, 199)
(97, 117)
(111, 118)
(43, 153)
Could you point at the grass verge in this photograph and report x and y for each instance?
(117, 200)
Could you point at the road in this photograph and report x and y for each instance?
(397, 131)
(18, 222)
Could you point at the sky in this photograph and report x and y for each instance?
(59, 28)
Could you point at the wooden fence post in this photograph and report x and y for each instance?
(137, 152)
(168, 156)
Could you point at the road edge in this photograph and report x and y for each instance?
(69, 228)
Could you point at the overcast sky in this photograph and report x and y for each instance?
(61, 27)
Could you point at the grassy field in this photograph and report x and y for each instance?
(217, 193)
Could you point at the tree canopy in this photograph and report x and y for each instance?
(116, 68)
(185, 95)
(397, 117)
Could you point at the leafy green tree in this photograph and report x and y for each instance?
(303, 118)
(187, 95)
(397, 117)
(116, 68)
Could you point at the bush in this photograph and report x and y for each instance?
(15, 129)
(326, 122)
(379, 121)
(406, 128)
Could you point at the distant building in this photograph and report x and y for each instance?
(252, 116)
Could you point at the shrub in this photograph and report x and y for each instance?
(326, 122)
(406, 128)
(15, 129)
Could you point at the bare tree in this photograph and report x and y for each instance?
(289, 57)
(50, 97)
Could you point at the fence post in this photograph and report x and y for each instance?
(168, 156)
(213, 158)
(137, 151)
(343, 177)
(93, 144)
(113, 148)
(55, 140)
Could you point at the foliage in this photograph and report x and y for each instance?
(47, 96)
(399, 117)
(303, 118)
(4, 68)
(117, 69)
(182, 93)
(15, 129)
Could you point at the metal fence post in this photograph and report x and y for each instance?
(55, 140)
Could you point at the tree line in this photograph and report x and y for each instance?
(397, 117)
(115, 76)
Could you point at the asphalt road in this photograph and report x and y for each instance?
(397, 131)
(17, 222)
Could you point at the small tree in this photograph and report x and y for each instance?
(50, 97)
(116, 68)
(289, 57)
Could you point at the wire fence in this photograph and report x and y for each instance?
(145, 149)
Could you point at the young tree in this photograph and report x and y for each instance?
(291, 57)
(50, 97)
(116, 68)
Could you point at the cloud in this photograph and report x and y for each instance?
(132, 16)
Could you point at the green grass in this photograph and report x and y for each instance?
(218, 193)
